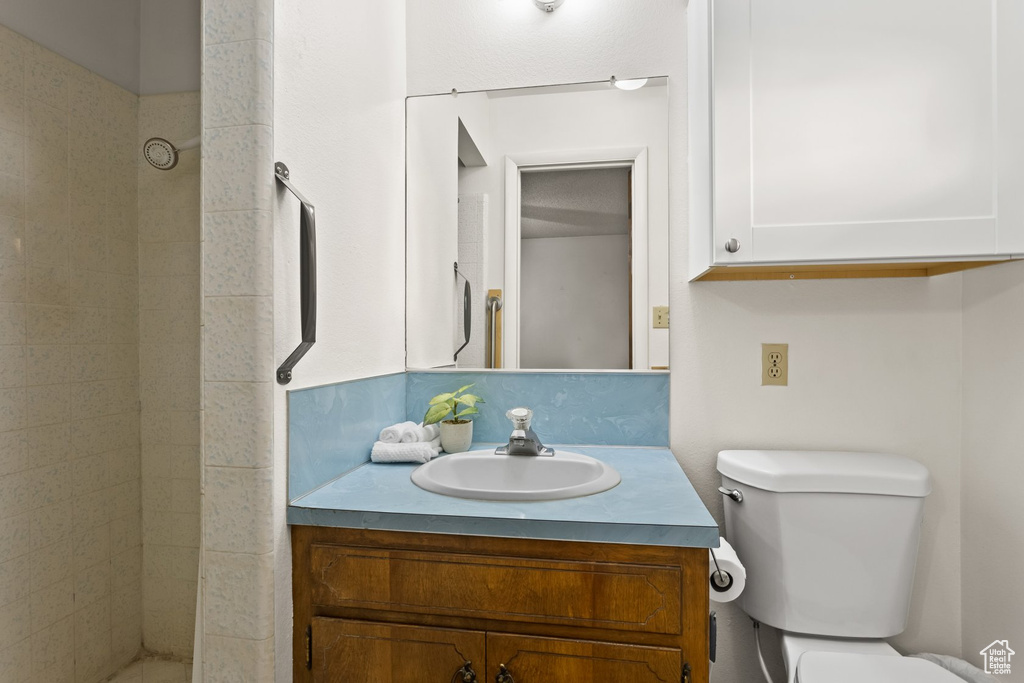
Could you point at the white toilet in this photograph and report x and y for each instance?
(829, 541)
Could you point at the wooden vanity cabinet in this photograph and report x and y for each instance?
(395, 607)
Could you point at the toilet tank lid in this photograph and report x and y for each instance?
(827, 472)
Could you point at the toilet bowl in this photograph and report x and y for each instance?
(829, 540)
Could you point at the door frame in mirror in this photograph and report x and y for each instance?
(632, 157)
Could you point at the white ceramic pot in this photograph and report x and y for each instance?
(456, 437)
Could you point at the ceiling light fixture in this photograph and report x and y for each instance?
(629, 83)
(548, 5)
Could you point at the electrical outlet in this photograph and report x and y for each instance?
(660, 317)
(774, 365)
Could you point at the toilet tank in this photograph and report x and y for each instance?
(829, 539)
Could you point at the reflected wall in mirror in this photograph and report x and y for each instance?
(553, 203)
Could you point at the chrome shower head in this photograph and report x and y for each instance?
(162, 154)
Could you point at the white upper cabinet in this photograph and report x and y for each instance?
(862, 131)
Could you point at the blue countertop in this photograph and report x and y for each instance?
(655, 504)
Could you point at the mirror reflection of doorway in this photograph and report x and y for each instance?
(575, 268)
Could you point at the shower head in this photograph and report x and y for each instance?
(162, 154)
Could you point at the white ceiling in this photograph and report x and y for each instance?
(145, 46)
(575, 203)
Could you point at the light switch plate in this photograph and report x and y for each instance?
(660, 317)
(774, 365)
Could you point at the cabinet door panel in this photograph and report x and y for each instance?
(868, 130)
(545, 660)
(350, 651)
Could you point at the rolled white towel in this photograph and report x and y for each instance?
(422, 433)
(396, 433)
(421, 452)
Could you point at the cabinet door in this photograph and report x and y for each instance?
(348, 651)
(530, 659)
(874, 129)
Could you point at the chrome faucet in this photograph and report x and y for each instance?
(523, 441)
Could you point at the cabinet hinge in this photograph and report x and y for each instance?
(309, 648)
(687, 674)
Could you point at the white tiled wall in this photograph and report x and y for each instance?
(169, 376)
(70, 539)
(472, 232)
(238, 343)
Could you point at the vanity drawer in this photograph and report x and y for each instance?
(623, 597)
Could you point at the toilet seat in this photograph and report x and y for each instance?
(841, 667)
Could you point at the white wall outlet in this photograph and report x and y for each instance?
(774, 365)
(660, 317)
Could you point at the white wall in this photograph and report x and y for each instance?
(874, 364)
(339, 112)
(993, 469)
(432, 237)
(574, 310)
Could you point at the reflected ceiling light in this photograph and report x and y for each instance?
(629, 83)
(548, 5)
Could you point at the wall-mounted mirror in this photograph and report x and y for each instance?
(552, 202)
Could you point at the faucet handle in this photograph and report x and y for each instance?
(521, 417)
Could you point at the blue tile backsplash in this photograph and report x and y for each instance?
(332, 428)
(595, 408)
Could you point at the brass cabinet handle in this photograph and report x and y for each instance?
(503, 675)
(465, 674)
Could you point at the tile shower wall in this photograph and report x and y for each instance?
(70, 543)
(169, 228)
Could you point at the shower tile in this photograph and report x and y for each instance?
(12, 196)
(92, 584)
(239, 424)
(240, 599)
(238, 659)
(51, 604)
(228, 21)
(46, 405)
(12, 366)
(239, 339)
(169, 292)
(12, 238)
(12, 408)
(174, 259)
(12, 281)
(237, 508)
(12, 108)
(13, 452)
(238, 254)
(12, 323)
(12, 152)
(17, 622)
(47, 285)
(46, 83)
(238, 167)
(244, 72)
(46, 243)
(48, 125)
(47, 365)
(12, 67)
(53, 647)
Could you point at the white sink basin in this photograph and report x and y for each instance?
(485, 476)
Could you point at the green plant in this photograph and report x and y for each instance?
(443, 405)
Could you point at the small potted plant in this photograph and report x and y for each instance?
(456, 432)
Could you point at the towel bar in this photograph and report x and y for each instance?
(307, 272)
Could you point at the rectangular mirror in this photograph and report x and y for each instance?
(537, 228)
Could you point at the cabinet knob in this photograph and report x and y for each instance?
(503, 675)
(732, 246)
